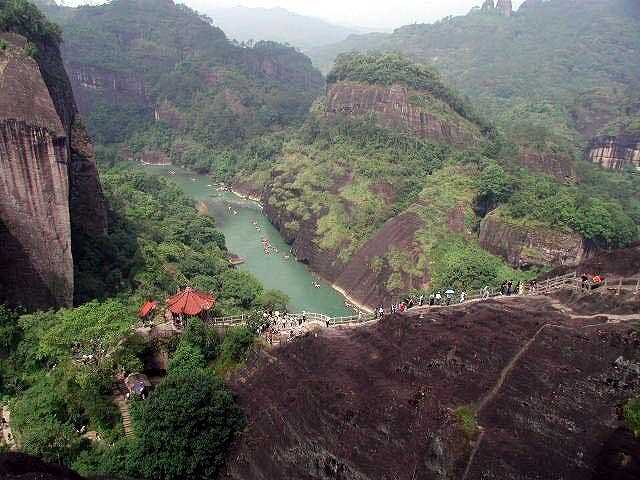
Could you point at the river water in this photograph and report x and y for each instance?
(243, 238)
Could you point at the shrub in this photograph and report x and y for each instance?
(188, 358)
(632, 415)
(185, 427)
(467, 420)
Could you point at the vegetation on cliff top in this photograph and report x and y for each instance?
(550, 65)
(183, 89)
(24, 18)
(390, 68)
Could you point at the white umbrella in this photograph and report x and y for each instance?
(450, 292)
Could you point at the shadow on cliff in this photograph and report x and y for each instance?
(103, 264)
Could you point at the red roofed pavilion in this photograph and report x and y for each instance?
(147, 308)
(190, 302)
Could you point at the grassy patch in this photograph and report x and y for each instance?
(466, 416)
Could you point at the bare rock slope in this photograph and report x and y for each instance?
(385, 401)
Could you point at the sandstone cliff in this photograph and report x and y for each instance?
(401, 108)
(524, 246)
(48, 180)
(558, 165)
(615, 152)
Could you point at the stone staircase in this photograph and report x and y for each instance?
(123, 406)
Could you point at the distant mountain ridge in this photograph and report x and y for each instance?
(558, 68)
(279, 25)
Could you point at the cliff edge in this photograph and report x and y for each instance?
(49, 184)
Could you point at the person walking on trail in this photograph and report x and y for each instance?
(438, 298)
(521, 290)
(509, 288)
(432, 299)
(485, 292)
(585, 281)
(381, 311)
(463, 297)
(421, 301)
(449, 294)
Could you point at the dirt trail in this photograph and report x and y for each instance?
(491, 395)
(5, 429)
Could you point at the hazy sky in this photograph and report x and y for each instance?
(367, 13)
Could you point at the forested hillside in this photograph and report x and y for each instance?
(247, 24)
(395, 182)
(553, 75)
(164, 81)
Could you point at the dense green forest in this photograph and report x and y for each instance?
(562, 68)
(183, 89)
(57, 367)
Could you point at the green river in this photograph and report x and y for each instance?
(275, 271)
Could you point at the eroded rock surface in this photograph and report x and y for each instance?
(525, 246)
(48, 179)
(398, 107)
(379, 402)
(615, 152)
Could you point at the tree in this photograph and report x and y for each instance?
(94, 328)
(241, 286)
(185, 427)
(186, 359)
(273, 300)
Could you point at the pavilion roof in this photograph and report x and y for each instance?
(190, 302)
(148, 307)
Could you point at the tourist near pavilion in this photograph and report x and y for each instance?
(189, 303)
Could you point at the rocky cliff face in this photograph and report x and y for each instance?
(558, 165)
(615, 152)
(355, 277)
(504, 7)
(398, 107)
(48, 179)
(90, 83)
(525, 246)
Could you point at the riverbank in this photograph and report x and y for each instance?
(349, 299)
(240, 217)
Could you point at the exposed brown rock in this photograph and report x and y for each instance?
(524, 246)
(559, 165)
(34, 187)
(615, 152)
(378, 402)
(394, 109)
(89, 82)
(48, 181)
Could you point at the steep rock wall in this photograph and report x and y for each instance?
(48, 179)
(523, 246)
(90, 83)
(615, 152)
(356, 277)
(395, 108)
(559, 165)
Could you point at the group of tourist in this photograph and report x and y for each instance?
(589, 281)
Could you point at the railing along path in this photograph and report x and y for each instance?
(546, 287)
